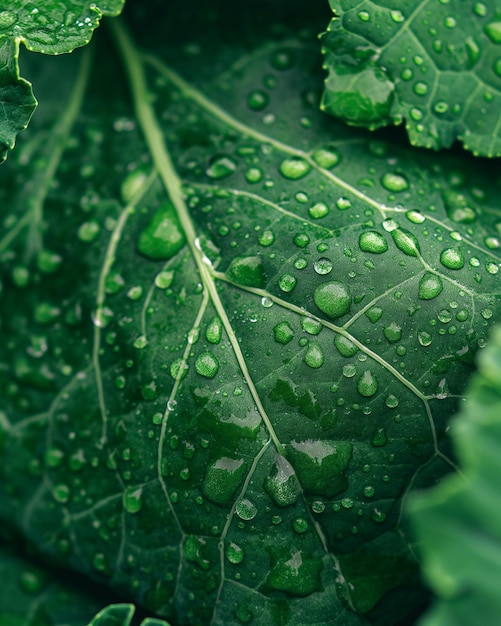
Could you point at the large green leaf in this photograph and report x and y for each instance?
(458, 523)
(234, 330)
(47, 26)
(436, 66)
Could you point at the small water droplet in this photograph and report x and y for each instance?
(311, 326)
(323, 266)
(367, 384)
(393, 332)
(258, 100)
(266, 238)
(163, 237)
(283, 333)
(391, 401)
(247, 271)
(318, 210)
(327, 157)
(245, 509)
(299, 525)
(234, 553)
(133, 499)
(314, 356)
(254, 175)
(424, 338)
(394, 182)
(344, 346)
(430, 286)
(379, 438)
(287, 282)
(343, 203)
(164, 279)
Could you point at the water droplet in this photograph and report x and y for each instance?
(491, 267)
(100, 563)
(299, 525)
(283, 333)
(415, 217)
(221, 167)
(486, 314)
(445, 316)
(420, 88)
(281, 484)
(266, 238)
(135, 293)
(246, 510)
(333, 298)
(287, 282)
(207, 365)
(311, 326)
(393, 332)
(214, 330)
(163, 237)
(234, 553)
(372, 241)
(258, 100)
(164, 279)
(323, 266)
(430, 286)
(222, 479)
(61, 493)
(133, 183)
(424, 338)
(54, 457)
(327, 157)
(407, 74)
(254, 175)
(394, 182)
(48, 262)
(343, 203)
(367, 384)
(458, 207)
(374, 314)
(492, 243)
(452, 258)
(88, 231)
(301, 240)
(391, 401)
(282, 60)
(7, 19)
(179, 369)
(379, 438)
(493, 31)
(314, 356)
(318, 210)
(320, 465)
(364, 16)
(344, 346)
(140, 343)
(133, 499)
(247, 271)
(369, 491)
(406, 242)
(294, 168)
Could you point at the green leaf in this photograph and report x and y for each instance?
(234, 329)
(44, 26)
(436, 67)
(458, 522)
(31, 595)
(121, 615)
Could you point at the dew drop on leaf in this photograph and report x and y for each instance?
(372, 241)
(318, 210)
(133, 499)
(294, 168)
(258, 100)
(207, 365)
(314, 356)
(430, 286)
(221, 167)
(287, 282)
(327, 157)
(393, 332)
(281, 484)
(344, 346)
(214, 330)
(222, 479)
(406, 242)
(283, 333)
(246, 510)
(234, 553)
(367, 384)
(394, 182)
(333, 298)
(163, 236)
(452, 258)
(247, 271)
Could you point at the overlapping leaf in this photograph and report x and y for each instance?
(231, 349)
(46, 26)
(457, 524)
(434, 66)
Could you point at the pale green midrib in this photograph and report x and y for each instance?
(216, 111)
(173, 186)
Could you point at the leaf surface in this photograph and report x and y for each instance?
(463, 511)
(44, 26)
(435, 66)
(234, 333)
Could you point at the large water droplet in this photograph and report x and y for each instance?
(221, 167)
(207, 365)
(333, 298)
(344, 346)
(452, 258)
(372, 241)
(493, 31)
(245, 509)
(281, 484)
(318, 210)
(222, 479)
(430, 286)
(393, 332)
(163, 237)
(294, 168)
(283, 333)
(314, 356)
(406, 242)
(367, 384)
(287, 282)
(133, 499)
(394, 182)
(247, 271)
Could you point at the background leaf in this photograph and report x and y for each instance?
(435, 66)
(43, 26)
(232, 348)
(457, 523)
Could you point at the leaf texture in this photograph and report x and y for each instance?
(434, 65)
(234, 332)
